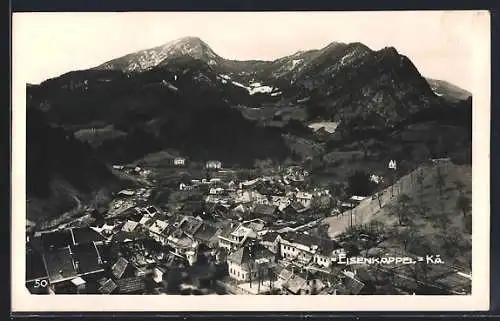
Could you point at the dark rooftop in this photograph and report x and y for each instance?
(87, 258)
(205, 233)
(57, 239)
(263, 209)
(86, 235)
(270, 237)
(190, 225)
(59, 265)
(245, 253)
(35, 268)
(325, 246)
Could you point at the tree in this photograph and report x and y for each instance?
(359, 183)
(440, 180)
(408, 237)
(420, 182)
(459, 185)
(401, 209)
(172, 281)
(463, 204)
(421, 153)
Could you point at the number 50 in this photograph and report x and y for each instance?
(41, 283)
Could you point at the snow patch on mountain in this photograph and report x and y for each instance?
(295, 62)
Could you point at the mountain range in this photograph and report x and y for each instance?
(184, 96)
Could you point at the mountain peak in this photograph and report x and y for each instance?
(142, 60)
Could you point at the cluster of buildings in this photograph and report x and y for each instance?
(250, 236)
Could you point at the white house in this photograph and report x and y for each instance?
(307, 249)
(304, 198)
(233, 237)
(184, 187)
(213, 164)
(247, 264)
(156, 231)
(179, 161)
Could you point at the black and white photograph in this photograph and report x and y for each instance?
(251, 153)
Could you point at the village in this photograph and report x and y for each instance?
(218, 234)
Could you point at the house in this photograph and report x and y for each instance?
(234, 236)
(156, 230)
(376, 179)
(179, 161)
(270, 240)
(349, 285)
(185, 187)
(216, 191)
(231, 186)
(129, 226)
(267, 213)
(293, 209)
(302, 283)
(213, 164)
(250, 184)
(207, 234)
(306, 248)
(79, 284)
(84, 235)
(250, 263)
(107, 287)
(87, 259)
(132, 285)
(122, 268)
(183, 246)
(304, 198)
(280, 201)
(189, 225)
(255, 225)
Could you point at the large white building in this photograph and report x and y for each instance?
(307, 249)
(250, 263)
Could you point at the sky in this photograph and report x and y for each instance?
(440, 44)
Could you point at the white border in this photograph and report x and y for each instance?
(22, 301)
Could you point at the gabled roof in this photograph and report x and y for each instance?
(205, 233)
(129, 226)
(107, 287)
(87, 257)
(270, 236)
(130, 285)
(247, 253)
(158, 226)
(352, 285)
(323, 246)
(59, 264)
(265, 209)
(190, 225)
(295, 283)
(119, 267)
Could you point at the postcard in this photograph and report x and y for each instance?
(336, 161)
